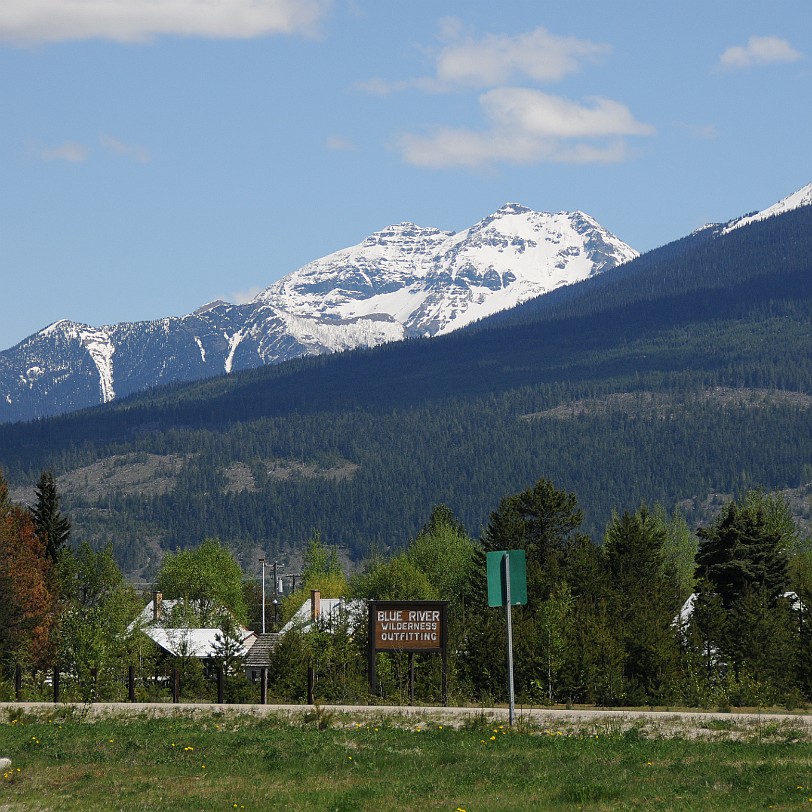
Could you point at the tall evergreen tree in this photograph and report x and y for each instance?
(26, 596)
(539, 520)
(743, 550)
(52, 527)
(644, 605)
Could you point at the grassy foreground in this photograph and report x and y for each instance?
(318, 761)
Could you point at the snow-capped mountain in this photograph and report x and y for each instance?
(803, 197)
(431, 281)
(405, 280)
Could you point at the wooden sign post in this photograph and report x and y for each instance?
(411, 627)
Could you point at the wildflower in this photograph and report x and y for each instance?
(202, 766)
(493, 738)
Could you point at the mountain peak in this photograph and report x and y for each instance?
(404, 280)
(803, 197)
(513, 208)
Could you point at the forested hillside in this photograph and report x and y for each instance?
(686, 372)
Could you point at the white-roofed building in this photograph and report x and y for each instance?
(157, 621)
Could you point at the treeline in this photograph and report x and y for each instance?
(655, 614)
(613, 452)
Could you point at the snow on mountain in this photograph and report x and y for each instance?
(803, 197)
(405, 280)
(432, 282)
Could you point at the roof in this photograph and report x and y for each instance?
(146, 616)
(687, 610)
(193, 642)
(260, 654)
(332, 611)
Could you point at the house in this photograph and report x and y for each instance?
(327, 613)
(159, 620)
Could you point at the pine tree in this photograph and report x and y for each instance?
(539, 520)
(52, 527)
(741, 551)
(634, 552)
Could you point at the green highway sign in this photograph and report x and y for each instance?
(497, 583)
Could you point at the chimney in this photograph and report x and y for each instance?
(315, 604)
(157, 601)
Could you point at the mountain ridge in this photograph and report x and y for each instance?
(400, 282)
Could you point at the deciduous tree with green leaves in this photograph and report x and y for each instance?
(208, 580)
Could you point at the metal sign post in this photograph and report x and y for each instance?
(511, 695)
(507, 585)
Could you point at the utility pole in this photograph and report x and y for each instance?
(262, 564)
(275, 599)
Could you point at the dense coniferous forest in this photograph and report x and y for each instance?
(684, 373)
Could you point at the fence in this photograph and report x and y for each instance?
(162, 687)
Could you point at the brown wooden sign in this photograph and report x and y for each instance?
(408, 626)
(415, 626)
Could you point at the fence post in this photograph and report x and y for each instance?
(263, 686)
(131, 683)
(219, 684)
(18, 682)
(176, 685)
(56, 685)
(311, 682)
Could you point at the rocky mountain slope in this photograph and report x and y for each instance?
(403, 281)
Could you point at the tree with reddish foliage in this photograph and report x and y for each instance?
(26, 594)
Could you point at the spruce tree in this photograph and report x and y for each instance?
(742, 551)
(52, 527)
(644, 610)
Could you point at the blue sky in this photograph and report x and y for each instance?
(155, 156)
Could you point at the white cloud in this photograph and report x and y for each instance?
(71, 151)
(527, 126)
(496, 59)
(759, 51)
(142, 20)
(132, 151)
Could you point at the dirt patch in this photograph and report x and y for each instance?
(659, 406)
(239, 478)
(293, 469)
(139, 473)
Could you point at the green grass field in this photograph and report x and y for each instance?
(316, 760)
